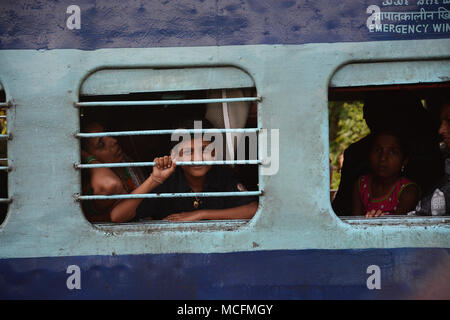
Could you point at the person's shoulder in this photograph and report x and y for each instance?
(362, 182)
(408, 186)
(173, 181)
(220, 172)
(365, 178)
(223, 177)
(405, 181)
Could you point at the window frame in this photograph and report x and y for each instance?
(340, 83)
(161, 225)
(5, 106)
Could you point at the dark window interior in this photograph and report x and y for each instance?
(425, 166)
(144, 148)
(3, 155)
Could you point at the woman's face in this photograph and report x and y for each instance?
(104, 149)
(444, 129)
(386, 156)
(187, 153)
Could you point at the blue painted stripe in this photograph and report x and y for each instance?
(406, 273)
(177, 23)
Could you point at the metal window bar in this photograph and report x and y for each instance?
(4, 137)
(166, 195)
(161, 132)
(163, 102)
(4, 106)
(180, 163)
(170, 195)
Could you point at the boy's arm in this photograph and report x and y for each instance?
(246, 211)
(125, 210)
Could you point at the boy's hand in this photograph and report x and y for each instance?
(164, 167)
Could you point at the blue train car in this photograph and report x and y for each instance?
(56, 57)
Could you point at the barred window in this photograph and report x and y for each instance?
(4, 164)
(142, 109)
(402, 100)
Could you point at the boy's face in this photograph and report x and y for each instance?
(187, 152)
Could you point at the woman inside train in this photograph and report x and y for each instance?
(385, 190)
(437, 202)
(403, 112)
(110, 181)
(199, 178)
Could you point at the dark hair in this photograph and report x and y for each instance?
(85, 123)
(385, 110)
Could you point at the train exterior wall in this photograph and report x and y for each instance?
(295, 246)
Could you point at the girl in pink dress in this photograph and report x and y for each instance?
(384, 191)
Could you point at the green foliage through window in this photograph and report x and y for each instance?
(347, 125)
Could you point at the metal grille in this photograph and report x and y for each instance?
(150, 103)
(4, 164)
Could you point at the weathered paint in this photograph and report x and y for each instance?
(301, 274)
(294, 216)
(104, 82)
(180, 23)
(391, 73)
(294, 211)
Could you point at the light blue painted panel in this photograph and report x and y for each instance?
(295, 211)
(388, 73)
(110, 82)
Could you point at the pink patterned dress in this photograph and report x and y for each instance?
(387, 203)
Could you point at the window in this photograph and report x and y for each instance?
(395, 99)
(4, 200)
(142, 108)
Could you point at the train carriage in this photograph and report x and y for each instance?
(59, 59)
